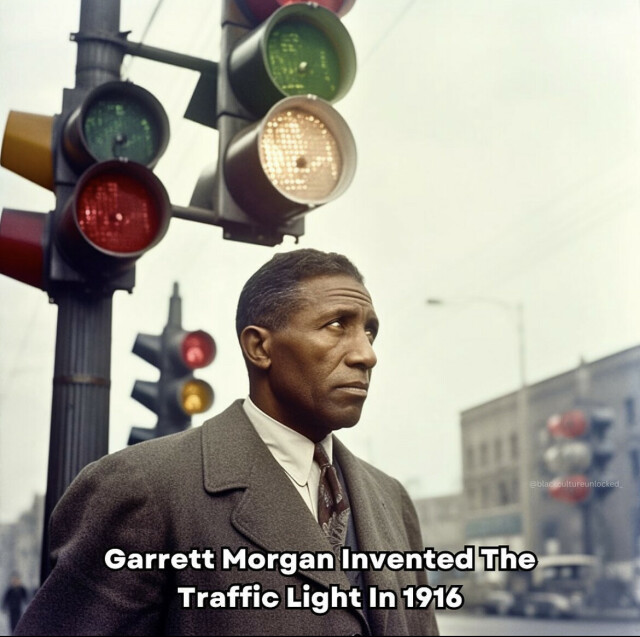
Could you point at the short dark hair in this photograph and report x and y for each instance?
(272, 294)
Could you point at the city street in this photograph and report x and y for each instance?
(462, 623)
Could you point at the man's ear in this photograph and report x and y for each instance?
(256, 346)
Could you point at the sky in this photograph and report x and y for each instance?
(498, 155)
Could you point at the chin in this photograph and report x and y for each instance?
(344, 421)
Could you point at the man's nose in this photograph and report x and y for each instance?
(361, 352)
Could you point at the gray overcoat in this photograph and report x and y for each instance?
(211, 487)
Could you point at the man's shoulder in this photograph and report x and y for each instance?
(170, 455)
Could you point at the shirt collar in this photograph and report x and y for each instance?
(292, 450)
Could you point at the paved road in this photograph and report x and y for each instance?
(463, 623)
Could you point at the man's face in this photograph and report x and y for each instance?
(321, 361)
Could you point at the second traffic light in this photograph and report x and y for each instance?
(177, 395)
(580, 454)
(283, 149)
(97, 157)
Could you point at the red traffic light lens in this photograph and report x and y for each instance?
(571, 424)
(116, 213)
(198, 349)
(118, 209)
(259, 10)
(570, 489)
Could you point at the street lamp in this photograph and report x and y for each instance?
(515, 309)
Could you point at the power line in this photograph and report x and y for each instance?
(400, 15)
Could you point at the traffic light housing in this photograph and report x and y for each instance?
(110, 208)
(580, 454)
(177, 395)
(283, 150)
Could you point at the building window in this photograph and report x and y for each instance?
(471, 498)
(630, 411)
(515, 490)
(484, 455)
(497, 450)
(503, 493)
(485, 496)
(514, 445)
(635, 463)
(470, 458)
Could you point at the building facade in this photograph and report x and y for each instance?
(506, 478)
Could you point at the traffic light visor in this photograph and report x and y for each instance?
(26, 147)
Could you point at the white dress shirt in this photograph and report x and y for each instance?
(292, 451)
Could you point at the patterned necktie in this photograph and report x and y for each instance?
(333, 506)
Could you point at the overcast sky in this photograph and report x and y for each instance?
(499, 154)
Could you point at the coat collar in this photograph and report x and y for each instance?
(236, 458)
(270, 513)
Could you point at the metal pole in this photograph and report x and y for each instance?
(82, 368)
(523, 376)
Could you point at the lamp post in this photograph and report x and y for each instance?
(516, 310)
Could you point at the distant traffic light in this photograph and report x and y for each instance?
(283, 149)
(177, 395)
(579, 454)
(110, 208)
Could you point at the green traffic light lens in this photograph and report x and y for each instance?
(302, 49)
(117, 127)
(303, 60)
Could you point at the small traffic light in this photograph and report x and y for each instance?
(177, 395)
(283, 149)
(110, 208)
(579, 454)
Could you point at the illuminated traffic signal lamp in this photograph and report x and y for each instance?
(110, 208)
(177, 395)
(283, 149)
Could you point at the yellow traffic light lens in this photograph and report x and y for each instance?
(300, 155)
(196, 397)
(303, 60)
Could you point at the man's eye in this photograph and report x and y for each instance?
(336, 323)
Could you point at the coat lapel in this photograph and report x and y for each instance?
(271, 514)
(376, 528)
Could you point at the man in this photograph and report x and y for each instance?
(14, 599)
(246, 481)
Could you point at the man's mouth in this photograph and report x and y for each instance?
(357, 388)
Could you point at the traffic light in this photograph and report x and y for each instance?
(283, 150)
(177, 395)
(110, 208)
(579, 454)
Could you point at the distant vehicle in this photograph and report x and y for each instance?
(559, 586)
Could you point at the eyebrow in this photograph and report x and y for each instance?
(350, 311)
